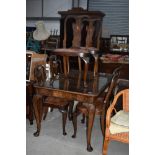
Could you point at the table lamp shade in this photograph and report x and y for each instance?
(40, 33)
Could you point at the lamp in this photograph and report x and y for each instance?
(40, 33)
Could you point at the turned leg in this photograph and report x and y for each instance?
(91, 115)
(105, 146)
(37, 105)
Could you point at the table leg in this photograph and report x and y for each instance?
(38, 111)
(91, 115)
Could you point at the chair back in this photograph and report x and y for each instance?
(115, 77)
(117, 70)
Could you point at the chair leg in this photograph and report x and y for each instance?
(64, 119)
(45, 112)
(91, 116)
(51, 110)
(70, 110)
(105, 146)
(83, 119)
(74, 121)
(102, 124)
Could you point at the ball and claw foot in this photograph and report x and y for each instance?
(36, 134)
(89, 148)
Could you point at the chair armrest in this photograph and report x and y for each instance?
(111, 108)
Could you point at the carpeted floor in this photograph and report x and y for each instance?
(52, 142)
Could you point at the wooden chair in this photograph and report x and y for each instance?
(54, 102)
(122, 135)
(101, 105)
(57, 103)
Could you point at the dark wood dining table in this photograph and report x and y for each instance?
(71, 88)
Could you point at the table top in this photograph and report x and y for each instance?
(72, 87)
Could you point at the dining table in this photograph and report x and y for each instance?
(72, 88)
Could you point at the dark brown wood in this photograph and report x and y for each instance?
(109, 67)
(29, 104)
(72, 92)
(81, 52)
(101, 105)
(85, 21)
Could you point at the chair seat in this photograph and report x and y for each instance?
(121, 118)
(83, 107)
(61, 102)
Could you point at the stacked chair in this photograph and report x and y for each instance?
(102, 103)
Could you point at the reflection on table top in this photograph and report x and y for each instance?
(74, 83)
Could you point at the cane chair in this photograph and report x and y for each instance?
(55, 103)
(101, 105)
(117, 126)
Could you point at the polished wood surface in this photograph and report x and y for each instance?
(83, 53)
(71, 88)
(101, 104)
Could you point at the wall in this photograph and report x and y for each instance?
(50, 25)
(50, 9)
(115, 22)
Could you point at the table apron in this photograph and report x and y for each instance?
(66, 94)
